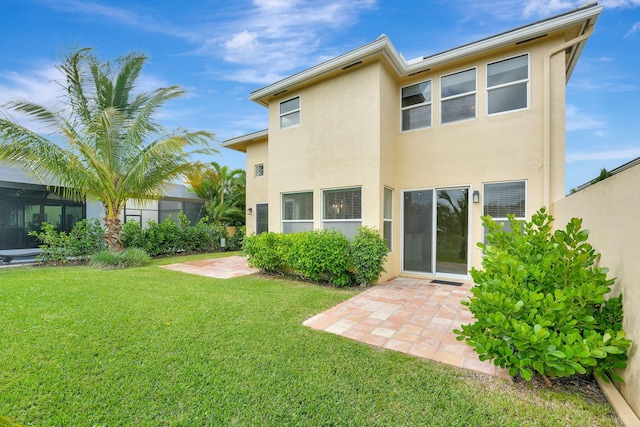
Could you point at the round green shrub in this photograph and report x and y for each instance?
(368, 254)
(539, 303)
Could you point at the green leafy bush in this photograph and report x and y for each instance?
(539, 303)
(87, 238)
(268, 251)
(56, 245)
(168, 237)
(132, 235)
(130, 257)
(235, 242)
(323, 255)
(368, 254)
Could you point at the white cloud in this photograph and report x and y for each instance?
(280, 36)
(143, 20)
(579, 120)
(622, 154)
(547, 7)
(634, 29)
(37, 85)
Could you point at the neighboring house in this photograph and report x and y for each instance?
(419, 149)
(25, 203)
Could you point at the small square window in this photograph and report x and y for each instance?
(260, 170)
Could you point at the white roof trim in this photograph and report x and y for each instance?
(245, 138)
(403, 67)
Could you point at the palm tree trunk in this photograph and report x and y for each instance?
(112, 233)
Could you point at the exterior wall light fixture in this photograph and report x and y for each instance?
(476, 196)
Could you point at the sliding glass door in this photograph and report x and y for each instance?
(436, 235)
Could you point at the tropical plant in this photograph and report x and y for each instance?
(103, 143)
(539, 303)
(223, 191)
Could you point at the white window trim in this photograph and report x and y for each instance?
(527, 80)
(341, 189)
(298, 110)
(460, 95)
(415, 106)
(282, 206)
(385, 219)
(526, 198)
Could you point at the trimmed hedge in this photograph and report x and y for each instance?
(169, 237)
(320, 256)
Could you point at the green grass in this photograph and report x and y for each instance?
(151, 347)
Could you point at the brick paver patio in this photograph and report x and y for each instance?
(413, 316)
(219, 268)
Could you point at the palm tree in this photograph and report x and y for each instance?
(103, 143)
(223, 191)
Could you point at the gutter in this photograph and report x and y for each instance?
(546, 165)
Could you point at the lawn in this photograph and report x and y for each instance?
(151, 347)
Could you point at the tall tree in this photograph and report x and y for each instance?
(103, 142)
(223, 191)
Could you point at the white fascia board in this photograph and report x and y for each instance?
(384, 47)
(521, 34)
(380, 46)
(245, 138)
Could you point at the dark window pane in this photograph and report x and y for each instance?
(459, 109)
(459, 83)
(508, 98)
(415, 118)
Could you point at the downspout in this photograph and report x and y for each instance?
(546, 197)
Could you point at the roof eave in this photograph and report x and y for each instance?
(383, 46)
(239, 143)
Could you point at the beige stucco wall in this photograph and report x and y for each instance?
(350, 135)
(256, 185)
(609, 209)
(336, 144)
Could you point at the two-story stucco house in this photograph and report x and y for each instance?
(419, 149)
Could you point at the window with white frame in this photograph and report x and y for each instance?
(458, 96)
(297, 212)
(387, 232)
(342, 210)
(508, 85)
(260, 170)
(504, 198)
(290, 112)
(416, 106)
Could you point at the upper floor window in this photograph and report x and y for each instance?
(508, 85)
(416, 106)
(260, 170)
(290, 112)
(458, 96)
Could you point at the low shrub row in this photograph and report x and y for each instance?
(169, 237)
(85, 239)
(320, 256)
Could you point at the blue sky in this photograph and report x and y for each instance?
(221, 50)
